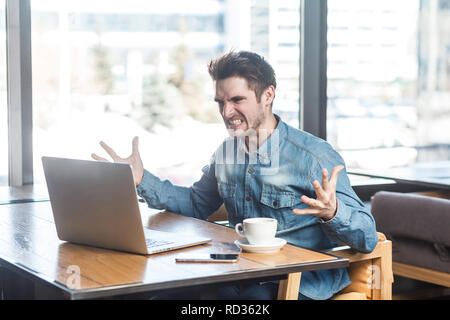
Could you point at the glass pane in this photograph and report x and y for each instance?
(110, 70)
(3, 100)
(389, 81)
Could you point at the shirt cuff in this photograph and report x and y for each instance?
(341, 218)
(149, 186)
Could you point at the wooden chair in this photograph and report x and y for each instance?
(371, 273)
(220, 216)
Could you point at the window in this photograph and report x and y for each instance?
(389, 81)
(110, 70)
(3, 100)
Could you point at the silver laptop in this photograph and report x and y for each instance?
(95, 203)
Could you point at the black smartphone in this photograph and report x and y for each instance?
(207, 257)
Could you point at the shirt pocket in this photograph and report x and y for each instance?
(228, 193)
(226, 190)
(278, 204)
(277, 200)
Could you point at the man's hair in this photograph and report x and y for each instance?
(248, 65)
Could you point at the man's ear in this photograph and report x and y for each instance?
(269, 95)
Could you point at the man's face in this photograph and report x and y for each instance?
(239, 106)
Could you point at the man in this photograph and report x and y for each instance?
(267, 168)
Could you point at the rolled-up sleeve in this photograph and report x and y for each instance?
(353, 224)
(198, 201)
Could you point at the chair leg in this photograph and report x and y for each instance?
(387, 276)
(289, 287)
(383, 269)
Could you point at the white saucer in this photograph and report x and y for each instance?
(277, 244)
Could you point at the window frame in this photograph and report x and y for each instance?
(313, 67)
(19, 91)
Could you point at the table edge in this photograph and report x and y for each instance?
(265, 272)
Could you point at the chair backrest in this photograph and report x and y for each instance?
(221, 214)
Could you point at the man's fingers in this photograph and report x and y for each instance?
(306, 211)
(110, 151)
(335, 173)
(98, 158)
(135, 149)
(325, 183)
(320, 192)
(312, 202)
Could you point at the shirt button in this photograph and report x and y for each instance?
(251, 170)
(275, 204)
(248, 199)
(143, 191)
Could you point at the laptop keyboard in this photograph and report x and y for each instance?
(151, 243)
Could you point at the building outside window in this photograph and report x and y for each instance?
(110, 70)
(388, 75)
(106, 70)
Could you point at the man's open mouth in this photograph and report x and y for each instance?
(235, 122)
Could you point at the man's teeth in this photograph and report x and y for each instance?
(235, 122)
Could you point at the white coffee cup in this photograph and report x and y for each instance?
(258, 231)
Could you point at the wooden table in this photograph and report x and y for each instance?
(29, 193)
(30, 250)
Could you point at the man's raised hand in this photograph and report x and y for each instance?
(134, 160)
(325, 206)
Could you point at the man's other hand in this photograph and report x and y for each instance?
(325, 206)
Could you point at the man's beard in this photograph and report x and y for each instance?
(253, 130)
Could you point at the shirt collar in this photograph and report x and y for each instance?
(271, 146)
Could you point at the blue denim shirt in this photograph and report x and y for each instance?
(269, 183)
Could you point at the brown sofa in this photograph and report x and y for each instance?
(419, 228)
